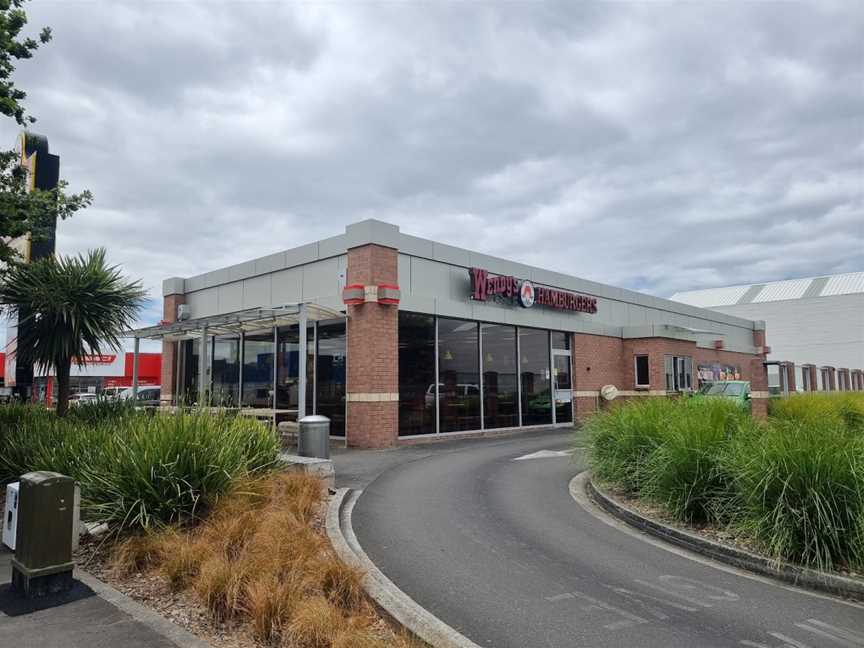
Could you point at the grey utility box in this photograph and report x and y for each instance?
(43, 545)
(313, 439)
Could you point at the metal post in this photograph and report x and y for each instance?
(275, 376)
(240, 377)
(552, 386)
(480, 368)
(180, 372)
(437, 395)
(202, 369)
(519, 375)
(135, 368)
(301, 363)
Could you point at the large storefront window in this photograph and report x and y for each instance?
(458, 375)
(679, 373)
(500, 375)
(416, 374)
(288, 366)
(225, 372)
(258, 369)
(330, 375)
(535, 377)
(190, 367)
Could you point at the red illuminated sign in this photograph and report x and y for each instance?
(526, 293)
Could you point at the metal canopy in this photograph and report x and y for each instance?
(251, 319)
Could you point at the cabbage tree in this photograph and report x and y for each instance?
(69, 308)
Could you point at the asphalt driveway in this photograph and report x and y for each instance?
(498, 549)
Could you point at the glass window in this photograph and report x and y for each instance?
(225, 372)
(534, 376)
(563, 388)
(416, 374)
(288, 364)
(679, 373)
(643, 375)
(330, 375)
(560, 341)
(191, 362)
(500, 389)
(258, 369)
(458, 375)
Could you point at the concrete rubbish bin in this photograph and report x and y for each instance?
(313, 439)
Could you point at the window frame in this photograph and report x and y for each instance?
(636, 382)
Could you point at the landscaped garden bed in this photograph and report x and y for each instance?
(205, 527)
(790, 487)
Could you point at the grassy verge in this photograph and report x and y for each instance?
(137, 470)
(258, 560)
(794, 483)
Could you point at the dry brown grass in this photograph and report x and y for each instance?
(258, 560)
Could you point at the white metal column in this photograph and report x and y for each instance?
(301, 363)
(202, 370)
(135, 369)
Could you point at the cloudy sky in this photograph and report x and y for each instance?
(657, 146)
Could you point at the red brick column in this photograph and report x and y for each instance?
(789, 368)
(759, 377)
(596, 362)
(373, 352)
(170, 356)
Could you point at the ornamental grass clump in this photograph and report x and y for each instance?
(844, 409)
(137, 469)
(685, 471)
(623, 438)
(800, 491)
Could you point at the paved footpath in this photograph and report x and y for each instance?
(78, 619)
(497, 548)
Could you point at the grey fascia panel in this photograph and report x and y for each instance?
(333, 246)
(418, 304)
(372, 231)
(257, 292)
(415, 246)
(301, 255)
(451, 255)
(241, 271)
(270, 263)
(193, 284)
(230, 297)
(403, 272)
(173, 286)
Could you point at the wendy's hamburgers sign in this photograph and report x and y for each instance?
(525, 293)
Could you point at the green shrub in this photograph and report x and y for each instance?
(685, 472)
(138, 469)
(622, 438)
(800, 490)
(844, 409)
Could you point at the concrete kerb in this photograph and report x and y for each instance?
(798, 576)
(175, 634)
(390, 599)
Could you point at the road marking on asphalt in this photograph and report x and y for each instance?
(665, 590)
(545, 454)
(627, 620)
(842, 636)
(789, 641)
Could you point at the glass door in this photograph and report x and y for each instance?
(563, 387)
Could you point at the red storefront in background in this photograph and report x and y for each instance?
(100, 372)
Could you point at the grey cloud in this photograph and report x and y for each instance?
(659, 147)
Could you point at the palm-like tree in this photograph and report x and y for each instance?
(70, 307)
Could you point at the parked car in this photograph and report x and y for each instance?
(736, 390)
(147, 396)
(83, 398)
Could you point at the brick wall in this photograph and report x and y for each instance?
(600, 360)
(373, 361)
(169, 350)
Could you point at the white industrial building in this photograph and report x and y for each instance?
(816, 321)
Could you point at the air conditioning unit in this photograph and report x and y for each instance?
(183, 312)
(10, 515)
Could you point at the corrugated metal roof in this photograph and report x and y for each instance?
(841, 284)
(844, 284)
(780, 290)
(712, 296)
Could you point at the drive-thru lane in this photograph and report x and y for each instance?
(499, 550)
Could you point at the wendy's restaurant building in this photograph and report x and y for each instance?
(399, 339)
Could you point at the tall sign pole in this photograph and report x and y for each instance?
(41, 171)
